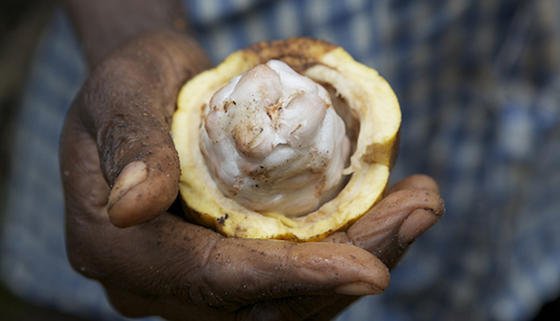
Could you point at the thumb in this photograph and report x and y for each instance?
(140, 163)
(127, 104)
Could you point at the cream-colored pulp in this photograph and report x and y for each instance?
(273, 141)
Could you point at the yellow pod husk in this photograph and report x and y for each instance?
(370, 102)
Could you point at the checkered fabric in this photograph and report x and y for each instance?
(479, 86)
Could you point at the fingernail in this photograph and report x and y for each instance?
(357, 289)
(131, 175)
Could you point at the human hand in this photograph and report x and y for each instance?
(119, 168)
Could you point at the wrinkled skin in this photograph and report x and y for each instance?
(119, 168)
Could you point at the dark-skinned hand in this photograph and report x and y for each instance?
(120, 175)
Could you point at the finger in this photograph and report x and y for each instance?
(257, 270)
(401, 217)
(127, 106)
(412, 207)
(386, 231)
(168, 257)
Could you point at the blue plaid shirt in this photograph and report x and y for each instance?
(479, 86)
